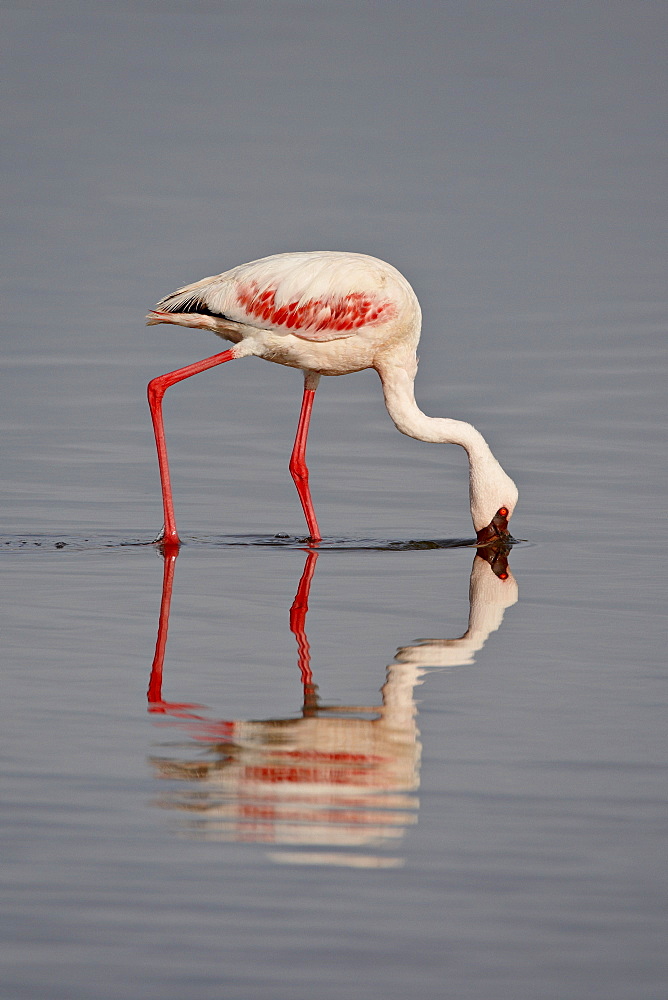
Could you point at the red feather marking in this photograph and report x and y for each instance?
(346, 312)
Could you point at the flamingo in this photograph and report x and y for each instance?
(326, 313)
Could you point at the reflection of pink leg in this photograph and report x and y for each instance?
(155, 702)
(298, 628)
(298, 467)
(155, 683)
(156, 390)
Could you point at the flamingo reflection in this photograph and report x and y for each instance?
(337, 784)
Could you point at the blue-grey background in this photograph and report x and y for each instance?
(509, 158)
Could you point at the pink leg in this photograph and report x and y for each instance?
(156, 390)
(298, 467)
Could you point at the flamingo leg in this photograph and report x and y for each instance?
(298, 467)
(156, 390)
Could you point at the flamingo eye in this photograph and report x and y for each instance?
(503, 511)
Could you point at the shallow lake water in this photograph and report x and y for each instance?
(382, 767)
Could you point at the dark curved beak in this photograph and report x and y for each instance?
(496, 530)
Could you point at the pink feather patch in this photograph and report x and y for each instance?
(342, 314)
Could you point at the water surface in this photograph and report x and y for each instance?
(380, 768)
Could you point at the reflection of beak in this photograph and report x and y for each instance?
(495, 553)
(497, 529)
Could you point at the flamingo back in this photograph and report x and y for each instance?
(316, 296)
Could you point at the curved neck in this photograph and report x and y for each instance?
(409, 419)
(489, 486)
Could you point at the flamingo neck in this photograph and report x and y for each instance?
(488, 483)
(410, 420)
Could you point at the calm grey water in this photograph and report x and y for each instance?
(431, 781)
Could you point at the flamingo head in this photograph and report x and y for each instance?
(492, 506)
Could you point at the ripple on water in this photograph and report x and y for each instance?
(77, 543)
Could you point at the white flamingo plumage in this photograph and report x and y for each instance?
(326, 313)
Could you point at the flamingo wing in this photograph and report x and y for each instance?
(315, 296)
